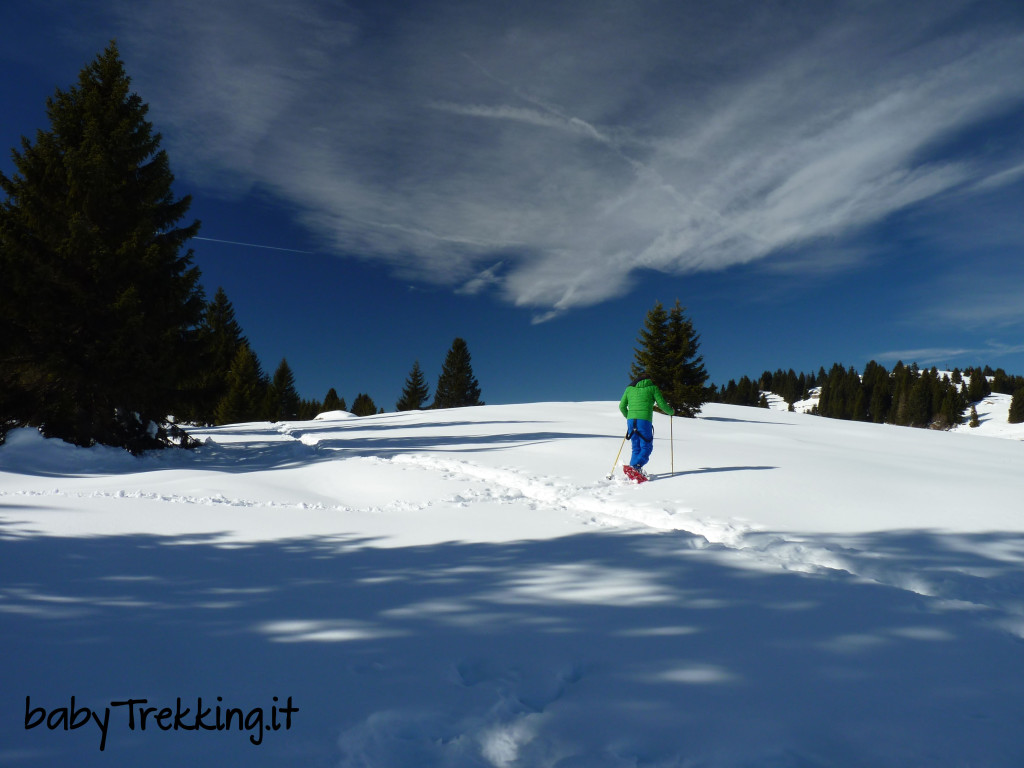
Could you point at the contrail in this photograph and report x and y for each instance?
(250, 245)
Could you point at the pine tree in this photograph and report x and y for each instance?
(416, 391)
(308, 409)
(220, 337)
(331, 401)
(1017, 407)
(747, 392)
(902, 381)
(283, 399)
(919, 404)
(687, 376)
(668, 355)
(790, 389)
(974, 421)
(954, 403)
(951, 411)
(457, 387)
(245, 394)
(651, 358)
(100, 307)
(363, 405)
(978, 388)
(832, 400)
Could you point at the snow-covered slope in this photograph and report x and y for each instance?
(466, 588)
(993, 413)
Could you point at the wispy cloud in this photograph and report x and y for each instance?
(979, 302)
(1001, 178)
(951, 355)
(576, 143)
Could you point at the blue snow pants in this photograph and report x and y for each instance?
(643, 440)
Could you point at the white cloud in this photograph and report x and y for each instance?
(945, 355)
(979, 302)
(573, 145)
(1001, 178)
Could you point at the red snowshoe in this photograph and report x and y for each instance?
(635, 474)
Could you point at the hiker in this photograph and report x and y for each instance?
(637, 405)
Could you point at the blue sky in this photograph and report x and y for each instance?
(815, 182)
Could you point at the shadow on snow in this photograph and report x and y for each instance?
(281, 446)
(414, 655)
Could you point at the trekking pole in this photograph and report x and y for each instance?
(672, 445)
(616, 462)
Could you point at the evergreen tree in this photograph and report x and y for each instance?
(902, 381)
(878, 388)
(331, 401)
(919, 404)
(860, 406)
(308, 409)
(457, 387)
(100, 308)
(978, 388)
(651, 358)
(790, 388)
(363, 405)
(686, 390)
(747, 392)
(951, 410)
(246, 389)
(220, 337)
(283, 399)
(838, 393)
(1017, 407)
(668, 355)
(416, 391)
(975, 421)
(1011, 384)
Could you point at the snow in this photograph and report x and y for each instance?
(334, 416)
(466, 588)
(993, 413)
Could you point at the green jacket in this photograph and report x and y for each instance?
(639, 398)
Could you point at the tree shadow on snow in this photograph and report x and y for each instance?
(744, 421)
(267, 447)
(247, 457)
(601, 648)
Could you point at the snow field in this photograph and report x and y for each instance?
(465, 588)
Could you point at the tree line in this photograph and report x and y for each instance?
(251, 396)
(106, 335)
(668, 353)
(906, 396)
(234, 388)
